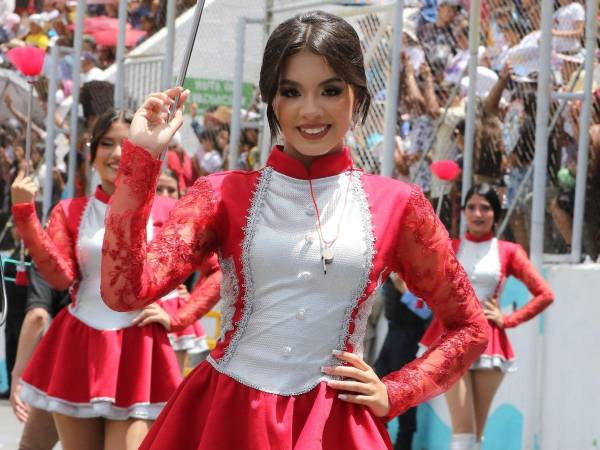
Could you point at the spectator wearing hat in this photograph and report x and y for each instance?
(37, 36)
(10, 29)
(89, 68)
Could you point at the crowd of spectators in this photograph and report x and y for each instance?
(432, 110)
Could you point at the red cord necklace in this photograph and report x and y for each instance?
(327, 246)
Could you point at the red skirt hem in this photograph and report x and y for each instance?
(123, 373)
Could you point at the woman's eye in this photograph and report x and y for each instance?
(332, 92)
(106, 143)
(289, 92)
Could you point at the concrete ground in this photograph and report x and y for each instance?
(10, 428)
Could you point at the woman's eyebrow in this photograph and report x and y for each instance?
(327, 81)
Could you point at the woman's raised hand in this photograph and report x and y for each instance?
(151, 128)
(23, 189)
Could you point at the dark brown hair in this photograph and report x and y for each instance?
(104, 123)
(325, 35)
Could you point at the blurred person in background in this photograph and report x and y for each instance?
(405, 330)
(179, 162)
(10, 27)
(37, 36)
(63, 377)
(488, 263)
(89, 68)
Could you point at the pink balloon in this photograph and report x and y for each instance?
(446, 170)
(28, 60)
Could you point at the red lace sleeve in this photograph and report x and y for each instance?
(53, 250)
(431, 271)
(203, 298)
(135, 273)
(520, 267)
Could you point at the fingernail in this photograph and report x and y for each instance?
(325, 369)
(336, 352)
(343, 396)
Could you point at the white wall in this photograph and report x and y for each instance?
(566, 339)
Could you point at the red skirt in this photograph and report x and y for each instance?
(83, 372)
(211, 411)
(498, 354)
(192, 338)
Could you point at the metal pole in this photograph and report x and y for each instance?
(238, 84)
(584, 135)
(265, 141)
(167, 75)
(50, 132)
(538, 212)
(540, 161)
(391, 104)
(28, 130)
(77, 46)
(467, 174)
(120, 77)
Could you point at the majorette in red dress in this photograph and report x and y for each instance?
(262, 386)
(187, 333)
(488, 263)
(91, 362)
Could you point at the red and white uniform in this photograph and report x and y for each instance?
(488, 263)
(92, 362)
(187, 333)
(282, 317)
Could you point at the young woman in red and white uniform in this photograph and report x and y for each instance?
(104, 379)
(488, 263)
(303, 245)
(183, 309)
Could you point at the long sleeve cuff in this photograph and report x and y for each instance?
(23, 211)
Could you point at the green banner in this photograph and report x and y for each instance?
(206, 92)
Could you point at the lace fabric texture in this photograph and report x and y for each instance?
(203, 297)
(431, 271)
(52, 250)
(136, 273)
(521, 268)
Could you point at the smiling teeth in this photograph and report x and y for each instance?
(313, 130)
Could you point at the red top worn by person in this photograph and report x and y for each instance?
(304, 243)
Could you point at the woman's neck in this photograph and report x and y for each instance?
(307, 160)
(107, 187)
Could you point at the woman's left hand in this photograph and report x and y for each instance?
(492, 312)
(360, 384)
(153, 314)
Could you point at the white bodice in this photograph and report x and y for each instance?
(89, 307)
(296, 314)
(481, 261)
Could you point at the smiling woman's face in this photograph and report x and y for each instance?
(108, 153)
(313, 106)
